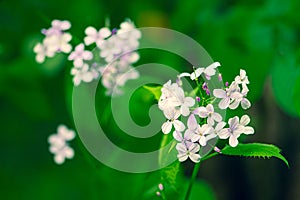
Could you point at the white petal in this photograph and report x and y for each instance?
(189, 101)
(195, 137)
(184, 110)
(245, 103)
(59, 159)
(90, 31)
(220, 126)
(224, 133)
(245, 120)
(194, 148)
(210, 121)
(68, 152)
(166, 127)
(181, 148)
(217, 117)
(195, 157)
(89, 40)
(234, 104)
(202, 112)
(177, 136)
(202, 141)
(104, 32)
(178, 125)
(197, 73)
(192, 122)
(219, 93)
(224, 103)
(248, 130)
(182, 157)
(233, 141)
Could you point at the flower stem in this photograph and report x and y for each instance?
(192, 180)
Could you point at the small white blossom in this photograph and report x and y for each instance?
(172, 116)
(245, 120)
(199, 133)
(185, 152)
(228, 95)
(82, 74)
(94, 36)
(41, 52)
(233, 132)
(59, 43)
(185, 139)
(79, 55)
(243, 80)
(59, 146)
(209, 113)
(57, 27)
(207, 71)
(111, 48)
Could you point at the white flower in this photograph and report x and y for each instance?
(168, 98)
(59, 146)
(228, 95)
(185, 152)
(173, 96)
(82, 74)
(208, 71)
(185, 139)
(243, 80)
(79, 55)
(209, 113)
(94, 36)
(128, 30)
(41, 52)
(245, 120)
(57, 27)
(218, 128)
(110, 48)
(240, 99)
(233, 132)
(59, 43)
(172, 116)
(199, 133)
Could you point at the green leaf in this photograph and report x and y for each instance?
(255, 150)
(155, 90)
(170, 172)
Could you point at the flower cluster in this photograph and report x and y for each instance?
(203, 121)
(112, 58)
(59, 146)
(56, 40)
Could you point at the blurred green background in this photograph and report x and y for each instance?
(262, 37)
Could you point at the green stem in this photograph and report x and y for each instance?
(193, 178)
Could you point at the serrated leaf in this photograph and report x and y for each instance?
(255, 150)
(155, 90)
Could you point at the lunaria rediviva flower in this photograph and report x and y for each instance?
(195, 123)
(59, 144)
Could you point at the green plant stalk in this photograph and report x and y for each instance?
(192, 180)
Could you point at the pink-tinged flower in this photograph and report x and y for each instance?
(207, 71)
(245, 120)
(59, 146)
(185, 139)
(228, 95)
(233, 132)
(185, 152)
(57, 27)
(41, 52)
(243, 80)
(172, 116)
(199, 133)
(58, 43)
(79, 55)
(82, 74)
(209, 113)
(94, 36)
